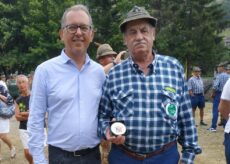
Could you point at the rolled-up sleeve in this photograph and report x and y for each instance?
(105, 110)
(188, 134)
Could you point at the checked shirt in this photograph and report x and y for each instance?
(220, 80)
(142, 101)
(196, 85)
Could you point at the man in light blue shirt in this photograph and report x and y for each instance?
(68, 89)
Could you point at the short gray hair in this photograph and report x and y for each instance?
(75, 8)
(22, 76)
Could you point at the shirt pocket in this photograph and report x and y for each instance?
(122, 103)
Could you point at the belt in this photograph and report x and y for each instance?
(138, 156)
(77, 153)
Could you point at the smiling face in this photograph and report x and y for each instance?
(78, 42)
(139, 36)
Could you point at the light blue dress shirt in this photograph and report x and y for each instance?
(71, 98)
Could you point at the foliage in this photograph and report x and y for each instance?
(188, 30)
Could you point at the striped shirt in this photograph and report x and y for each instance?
(196, 85)
(220, 81)
(142, 102)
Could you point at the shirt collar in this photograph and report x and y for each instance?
(65, 58)
(151, 66)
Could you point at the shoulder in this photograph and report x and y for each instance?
(120, 68)
(227, 85)
(96, 68)
(50, 66)
(19, 99)
(95, 64)
(191, 78)
(168, 62)
(50, 62)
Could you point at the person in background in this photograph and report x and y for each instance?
(12, 87)
(68, 88)
(147, 97)
(107, 57)
(224, 109)
(218, 84)
(5, 97)
(30, 78)
(3, 81)
(22, 113)
(196, 92)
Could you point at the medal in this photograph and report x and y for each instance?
(117, 128)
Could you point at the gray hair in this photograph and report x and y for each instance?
(75, 8)
(22, 76)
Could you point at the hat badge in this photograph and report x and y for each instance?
(136, 9)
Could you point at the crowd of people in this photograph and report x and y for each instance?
(136, 104)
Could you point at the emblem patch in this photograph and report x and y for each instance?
(171, 110)
(170, 89)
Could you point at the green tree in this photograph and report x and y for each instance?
(188, 29)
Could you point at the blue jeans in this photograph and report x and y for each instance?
(169, 156)
(227, 147)
(58, 156)
(216, 102)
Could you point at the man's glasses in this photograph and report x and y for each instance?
(72, 28)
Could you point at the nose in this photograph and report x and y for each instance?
(139, 35)
(78, 32)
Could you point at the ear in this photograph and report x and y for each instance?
(154, 34)
(92, 35)
(124, 41)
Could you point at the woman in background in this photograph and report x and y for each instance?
(5, 97)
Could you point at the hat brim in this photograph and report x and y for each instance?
(197, 70)
(106, 53)
(151, 20)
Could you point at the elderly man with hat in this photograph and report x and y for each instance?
(107, 57)
(145, 107)
(218, 85)
(196, 92)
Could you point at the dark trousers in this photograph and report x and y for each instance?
(59, 156)
(227, 147)
(169, 156)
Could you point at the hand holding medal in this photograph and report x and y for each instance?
(116, 132)
(117, 128)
